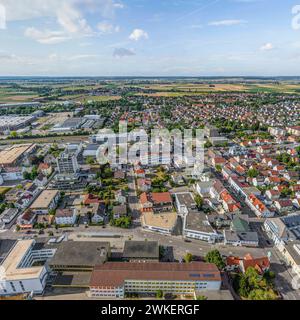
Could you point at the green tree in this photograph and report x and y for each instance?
(252, 173)
(90, 160)
(199, 201)
(13, 134)
(188, 258)
(215, 257)
(159, 294)
(219, 168)
(260, 294)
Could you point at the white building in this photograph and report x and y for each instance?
(197, 226)
(183, 202)
(66, 216)
(284, 229)
(18, 275)
(8, 215)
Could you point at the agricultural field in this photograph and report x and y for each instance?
(194, 89)
(10, 95)
(81, 91)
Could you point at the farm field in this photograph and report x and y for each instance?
(82, 92)
(8, 95)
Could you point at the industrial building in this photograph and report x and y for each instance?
(13, 123)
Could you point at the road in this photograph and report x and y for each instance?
(133, 197)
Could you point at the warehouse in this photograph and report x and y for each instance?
(13, 123)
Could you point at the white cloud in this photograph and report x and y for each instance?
(138, 34)
(70, 15)
(83, 57)
(227, 23)
(107, 28)
(46, 36)
(72, 21)
(28, 9)
(267, 47)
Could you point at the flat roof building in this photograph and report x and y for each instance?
(141, 251)
(197, 226)
(159, 222)
(79, 255)
(9, 123)
(18, 271)
(10, 155)
(46, 201)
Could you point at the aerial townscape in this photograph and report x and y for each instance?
(73, 227)
(149, 158)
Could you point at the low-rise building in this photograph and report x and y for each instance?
(284, 205)
(240, 233)
(116, 279)
(197, 226)
(184, 202)
(258, 207)
(156, 201)
(79, 256)
(260, 264)
(163, 222)
(141, 251)
(66, 216)
(291, 253)
(284, 229)
(119, 211)
(46, 201)
(8, 215)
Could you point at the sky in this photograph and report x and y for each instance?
(150, 38)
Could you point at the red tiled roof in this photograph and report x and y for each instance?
(44, 166)
(260, 264)
(161, 197)
(114, 274)
(89, 199)
(143, 198)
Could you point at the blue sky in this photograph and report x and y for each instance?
(149, 37)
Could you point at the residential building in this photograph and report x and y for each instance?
(183, 202)
(67, 162)
(45, 169)
(119, 211)
(242, 264)
(46, 201)
(66, 216)
(196, 226)
(283, 229)
(8, 215)
(156, 201)
(258, 207)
